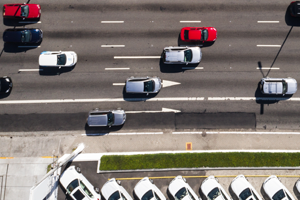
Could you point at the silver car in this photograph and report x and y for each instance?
(144, 85)
(109, 118)
(278, 86)
(182, 55)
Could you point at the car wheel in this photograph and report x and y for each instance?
(119, 182)
(78, 169)
(97, 190)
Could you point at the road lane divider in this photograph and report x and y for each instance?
(178, 133)
(125, 68)
(267, 45)
(192, 67)
(119, 84)
(112, 22)
(254, 133)
(30, 70)
(112, 46)
(266, 22)
(155, 111)
(136, 57)
(114, 134)
(189, 21)
(268, 68)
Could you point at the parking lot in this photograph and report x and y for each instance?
(162, 179)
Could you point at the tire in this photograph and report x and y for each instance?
(97, 190)
(78, 169)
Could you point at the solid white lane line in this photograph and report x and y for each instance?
(125, 68)
(29, 46)
(30, 70)
(136, 57)
(156, 111)
(192, 67)
(268, 68)
(266, 133)
(186, 133)
(114, 134)
(272, 22)
(112, 22)
(267, 45)
(112, 45)
(118, 83)
(190, 21)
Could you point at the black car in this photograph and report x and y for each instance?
(24, 36)
(5, 85)
(295, 8)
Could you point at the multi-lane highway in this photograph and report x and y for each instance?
(255, 39)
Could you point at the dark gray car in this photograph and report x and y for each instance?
(143, 85)
(106, 118)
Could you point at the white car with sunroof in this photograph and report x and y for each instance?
(181, 190)
(145, 189)
(58, 59)
(276, 190)
(243, 189)
(112, 190)
(212, 189)
(77, 186)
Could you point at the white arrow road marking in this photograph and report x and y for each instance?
(155, 111)
(166, 83)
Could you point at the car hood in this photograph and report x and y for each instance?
(239, 184)
(70, 58)
(34, 11)
(196, 55)
(175, 56)
(176, 185)
(35, 33)
(48, 60)
(109, 188)
(136, 86)
(97, 120)
(273, 87)
(4, 85)
(68, 176)
(118, 118)
(292, 86)
(208, 185)
(142, 187)
(272, 186)
(212, 34)
(157, 85)
(12, 36)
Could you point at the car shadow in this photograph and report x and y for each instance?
(290, 20)
(169, 195)
(19, 22)
(3, 96)
(53, 71)
(18, 48)
(232, 194)
(190, 44)
(101, 131)
(296, 192)
(202, 196)
(263, 193)
(137, 97)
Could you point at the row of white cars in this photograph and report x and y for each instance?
(78, 188)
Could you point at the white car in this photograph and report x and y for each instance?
(181, 190)
(112, 190)
(276, 190)
(243, 189)
(212, 189)
(146, 190)
(58, 59)
(182, 55)
(279, 86)
(77, 186)
(298, 185)
(144, 85)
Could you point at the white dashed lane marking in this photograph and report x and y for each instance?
(268, 68)
(267, 45)
(267, 22)
(190, 21)
(30, 70)
(136, 57)
(125, 68)
(112, 22)
(112, 46)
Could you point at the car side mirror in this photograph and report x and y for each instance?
(186, 63)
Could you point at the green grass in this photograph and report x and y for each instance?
(190, 160)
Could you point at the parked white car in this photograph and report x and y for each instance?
(146, 190)
(182, 55)
(298, 185)
(58, 59)
(212, 189)
(281, 86)
(243, 189)
(77, 186)
(180, 189)
(276, 190)
(112, 190)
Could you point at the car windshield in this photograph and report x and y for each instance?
(114, 196)
(24, 11)
(148, 195)
(181, 194)
(245, 194)
(61, 59)
(26, 36)
(284, 87)
(214, 193)
(110, 119)
(188, 55)
(186, 34)
(148, 86)
(279, 195)
(86, 190)
(204, 35)
(74, 184)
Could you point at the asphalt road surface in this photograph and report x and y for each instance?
(59, 99)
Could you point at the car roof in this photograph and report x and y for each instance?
(142, 187)
(109, 188)
(48, 60)
(98, 120)
(175, 56)
(135, 86)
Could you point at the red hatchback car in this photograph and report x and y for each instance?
(202, 34)
(24, 11)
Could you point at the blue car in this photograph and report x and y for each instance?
(24, 36)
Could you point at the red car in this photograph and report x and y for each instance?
(202, 34)
(24, 11)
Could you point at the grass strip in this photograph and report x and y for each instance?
(193, 160)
